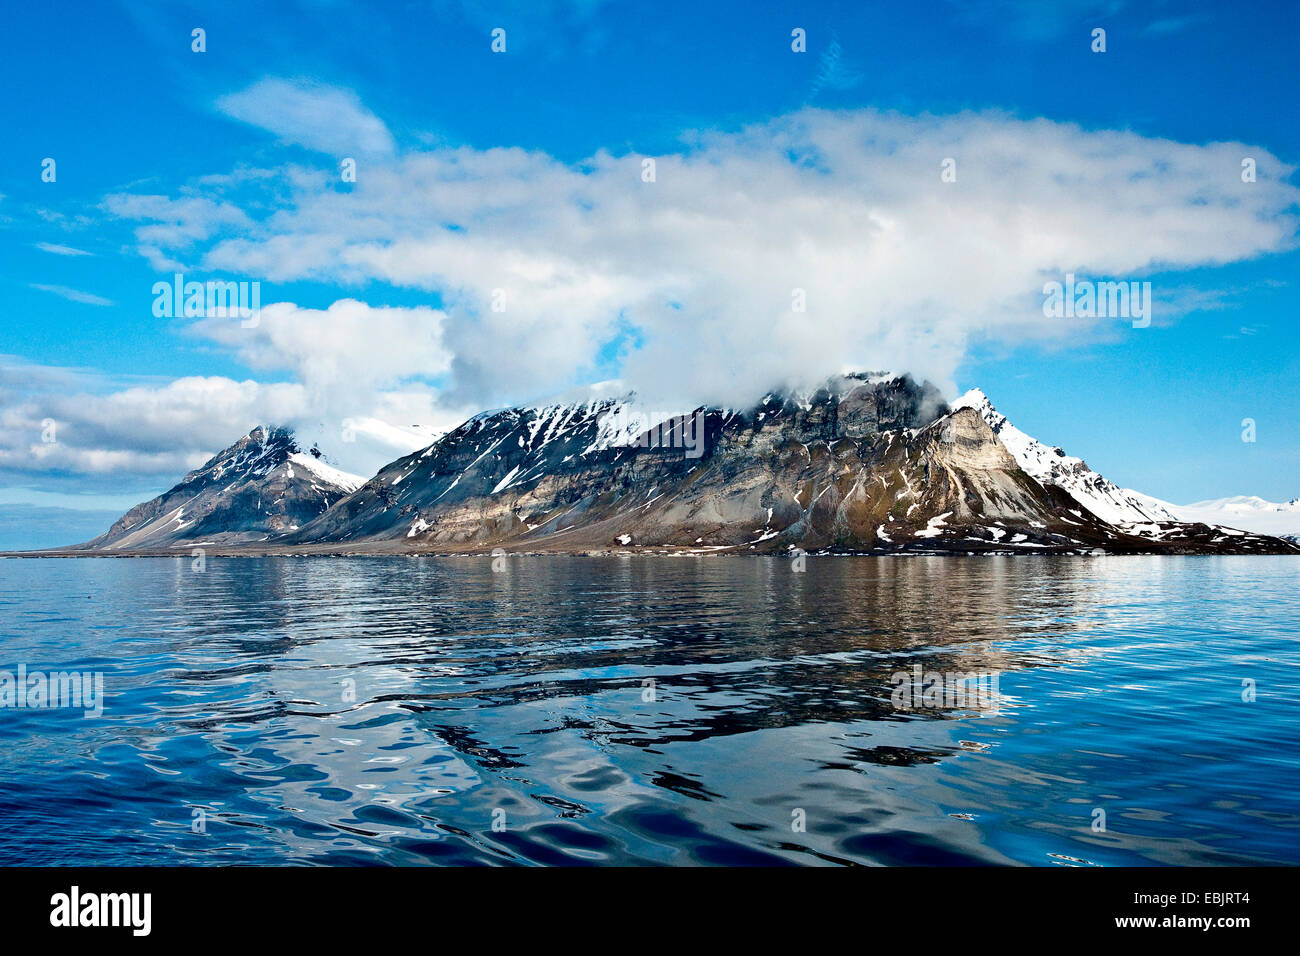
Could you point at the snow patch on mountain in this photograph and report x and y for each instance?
(342, 479)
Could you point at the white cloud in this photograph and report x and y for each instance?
(142, 429)
(175, 224)
(72, 295)
(58, 437)
(310, 114)
(349, 346)
(358, 406)
(900, 269)
(689, 277)
(55, 249)
(368, 371)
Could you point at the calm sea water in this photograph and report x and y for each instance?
(415, 711)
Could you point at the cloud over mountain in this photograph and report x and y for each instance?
(687, 284)
(546, 268)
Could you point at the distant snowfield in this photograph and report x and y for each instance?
(1244, 512)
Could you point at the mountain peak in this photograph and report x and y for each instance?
(260, 487)
(1050, 465)
(973, 398)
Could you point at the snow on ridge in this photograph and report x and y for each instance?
(622, 423)
(1137, 512)
(849, 378)
(1052, 466)
(345, 480)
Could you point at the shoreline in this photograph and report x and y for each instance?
(729, 551)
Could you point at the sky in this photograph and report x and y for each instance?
(700, 201)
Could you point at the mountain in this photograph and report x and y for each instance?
(1132, 510)
(1052, 466)
(861, 463)
(260, 488)
(866, 463)
(873, 463)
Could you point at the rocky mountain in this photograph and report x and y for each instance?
(872, 463)
(1135, 512)
(259, 489)
(867, 463)
(1052, 466)
(789, 472)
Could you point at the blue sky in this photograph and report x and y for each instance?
(520, 170)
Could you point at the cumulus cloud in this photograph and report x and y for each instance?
(343, 353)
(310, 114)
(360, 389)
(52, 420)
(542, 274)
(369, 376)
(547, 269)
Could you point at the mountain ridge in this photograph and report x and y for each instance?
(1051, 465)
(865, 463)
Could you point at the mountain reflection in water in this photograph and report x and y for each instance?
(573, 710)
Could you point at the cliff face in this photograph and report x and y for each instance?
(259, 489)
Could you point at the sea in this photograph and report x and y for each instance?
(650, 710)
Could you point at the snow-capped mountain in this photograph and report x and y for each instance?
(259, 488)
(1132, 510)
(867, 463)
(1052, 466)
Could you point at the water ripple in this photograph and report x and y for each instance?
(653, 710)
